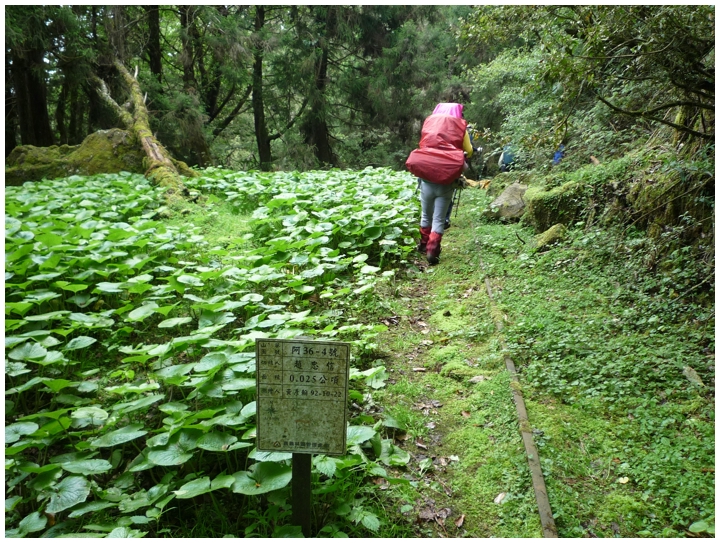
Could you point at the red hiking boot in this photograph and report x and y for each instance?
(433, 247)
(424, 235)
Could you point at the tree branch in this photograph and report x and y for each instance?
(104, 94)
(291, 122)
(219, 108)
(223, 125)
(626, 56)
(645, 115)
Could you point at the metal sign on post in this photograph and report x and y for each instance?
(302, 391)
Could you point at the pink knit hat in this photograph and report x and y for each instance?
(450, 108)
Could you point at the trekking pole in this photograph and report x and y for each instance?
(458, 192)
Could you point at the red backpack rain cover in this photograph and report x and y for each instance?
(440, 158)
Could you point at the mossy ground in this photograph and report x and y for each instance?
(449, 379)
(591, 409)
(630, 466)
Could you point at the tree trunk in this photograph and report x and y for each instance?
(261, 131)
(315, 127)
(191, 116)
(186, 22)
(115, 27)
(31, 98)
(161, 169)
(75, 132)
(60, 113)
(153, 46)
(10, 112)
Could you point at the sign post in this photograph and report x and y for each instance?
(302, 390)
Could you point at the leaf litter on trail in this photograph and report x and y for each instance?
(430, 513)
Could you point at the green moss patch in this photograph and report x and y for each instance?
(105, 151)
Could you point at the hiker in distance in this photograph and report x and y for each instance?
(439, 163)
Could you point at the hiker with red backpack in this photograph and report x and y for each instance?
(439, 163)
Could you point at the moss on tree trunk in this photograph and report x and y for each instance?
(160, 168)
(133, 149)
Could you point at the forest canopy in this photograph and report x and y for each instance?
(302, 87)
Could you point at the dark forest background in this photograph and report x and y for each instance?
(303, 87)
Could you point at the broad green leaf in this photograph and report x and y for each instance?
(109, 287)
(88, 467)
(28, 351)
(15, 431)
(210, 361)
(191, 280)
(304, 289)
(12, 225)
(94, 413)
(77, 287)
(216, 441)
(699, 526)
(213, 318)
(13, 369)
(269, 456)
(90, 508)
(11, 502)
(266, 477)
(79, 342)
(193, 488)
(177, 451)
(49, 240)
(56, 385)
(141, 312)
(177, 321)
(134, 405)
(392, 455)
(46, 479)
(124, 533)
(173, 407)
(369, 270)
(130, 387)
(292, 532)
(174, 371)
(239, 384)
(19, 308)
(325, 465)
(47, 414)
(357, 435)
(370, 521)
(69, 492)
(122, 435)
(34, 522)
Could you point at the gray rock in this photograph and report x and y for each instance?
(510, 203)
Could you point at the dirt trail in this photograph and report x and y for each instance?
(450, 386)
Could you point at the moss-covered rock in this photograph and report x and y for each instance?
(105, 151)
(551, 236)
(564, 204)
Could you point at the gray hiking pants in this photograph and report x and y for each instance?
(435, 200)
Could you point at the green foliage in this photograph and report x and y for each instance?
(626, 357)
(127, 389)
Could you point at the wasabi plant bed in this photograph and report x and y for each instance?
(130, 348)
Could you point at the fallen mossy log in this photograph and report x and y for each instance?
(104, 151)
(132, 148)
(160, 168)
